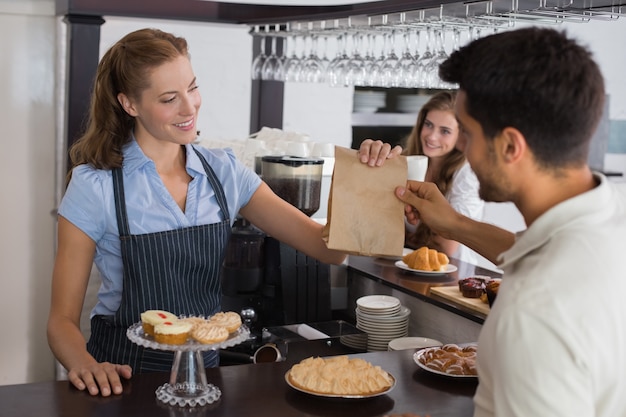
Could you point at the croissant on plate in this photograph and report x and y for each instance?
(426, 259)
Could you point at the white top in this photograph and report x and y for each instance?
(554, 343)
(463, 197)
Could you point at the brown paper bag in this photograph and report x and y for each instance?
(364, 216)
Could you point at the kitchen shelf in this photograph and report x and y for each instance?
(227, 12)
(383, 119)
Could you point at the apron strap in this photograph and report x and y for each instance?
(120, 203)
(215, 183)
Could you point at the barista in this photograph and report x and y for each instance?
(153, 212)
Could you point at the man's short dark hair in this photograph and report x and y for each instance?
(536, 80)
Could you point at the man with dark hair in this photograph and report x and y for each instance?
(554, 342)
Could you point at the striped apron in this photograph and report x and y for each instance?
(176, 270)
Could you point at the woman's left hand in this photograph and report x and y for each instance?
(375, 152)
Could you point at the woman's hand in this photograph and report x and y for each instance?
(73, 263)
(100, 378)
(375, 152)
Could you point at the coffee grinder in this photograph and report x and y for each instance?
(268, 282)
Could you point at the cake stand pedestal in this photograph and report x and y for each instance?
(188, 386)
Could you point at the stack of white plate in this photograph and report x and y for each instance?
(368, 101)
(383, 318)
(355, 341)
(411, 103)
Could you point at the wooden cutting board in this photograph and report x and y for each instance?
(452, 293)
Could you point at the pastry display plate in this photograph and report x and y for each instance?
(136, 334)
(449, 268)
(346, 396)
(417, 356)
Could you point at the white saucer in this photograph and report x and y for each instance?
(373, 304)
(405, 343)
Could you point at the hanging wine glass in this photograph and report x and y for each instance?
(478, 32)
(432, 68)
(388, 68)
(415, 76)
(335, 72)
(406, 65)
(374, 74)
(272, 68)
(369, 60)
(259, 60)
(422, 79)
(355, 69)
(456, 36)
(292, 63)
(312, 67)
(283, 54)
(324, 58)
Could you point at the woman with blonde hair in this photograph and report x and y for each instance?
(153, 212)
(435, 135)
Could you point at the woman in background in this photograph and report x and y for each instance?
(435, 135)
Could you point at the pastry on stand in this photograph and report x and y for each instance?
(188, 386)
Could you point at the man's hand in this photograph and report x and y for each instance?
(424, 202)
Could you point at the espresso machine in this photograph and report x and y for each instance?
(268, 282)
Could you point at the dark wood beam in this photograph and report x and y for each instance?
(212, 11)
(83, 40)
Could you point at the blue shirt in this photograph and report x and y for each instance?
(89, 204)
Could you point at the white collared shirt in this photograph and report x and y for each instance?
(554, 343)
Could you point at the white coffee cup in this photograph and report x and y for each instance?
(297, 149)
(323, 149)
(417, 166)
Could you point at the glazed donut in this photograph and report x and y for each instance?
(451, 347)
(455, 368)
(208, 333)
(469, 350)
(451, 359)
(228, 320)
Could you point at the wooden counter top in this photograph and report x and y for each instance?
(420, 286)
(252, 390)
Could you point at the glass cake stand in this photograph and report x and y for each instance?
(188, 385)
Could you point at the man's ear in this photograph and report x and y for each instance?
(127, 104)
(511, 145)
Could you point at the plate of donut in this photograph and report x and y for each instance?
(449, 360)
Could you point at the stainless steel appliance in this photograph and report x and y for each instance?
(268, 282)
(296, 180)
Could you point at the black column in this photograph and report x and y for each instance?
(267, 96)
(83, 54)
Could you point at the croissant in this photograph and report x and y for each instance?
(426, 259)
